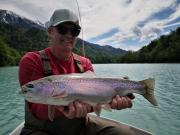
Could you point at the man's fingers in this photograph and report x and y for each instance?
(125, 102)
(60, 108)
(85, 110)
(79, 109)
(71, 112)
(114, 103)
(129, 102)
(82, 109)
(89, 108)
(119, 102)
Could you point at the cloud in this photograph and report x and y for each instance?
(109, 22)
(152, 27)
(105, 35)
(37, 9)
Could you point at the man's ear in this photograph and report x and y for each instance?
(50, 30)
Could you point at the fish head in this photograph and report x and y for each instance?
(37, 91)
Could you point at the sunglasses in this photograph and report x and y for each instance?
(63, 30)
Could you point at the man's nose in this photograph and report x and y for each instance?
(69, 33)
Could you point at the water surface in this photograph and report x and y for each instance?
(161, 120)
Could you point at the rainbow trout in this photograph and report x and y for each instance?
(63, 89)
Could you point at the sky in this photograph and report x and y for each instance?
(125, 24)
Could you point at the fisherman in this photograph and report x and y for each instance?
(63, 30)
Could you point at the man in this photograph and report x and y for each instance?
(63, 29)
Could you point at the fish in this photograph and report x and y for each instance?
(85, 87)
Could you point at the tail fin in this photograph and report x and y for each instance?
(149, 95)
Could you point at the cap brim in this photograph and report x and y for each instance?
(67, 22)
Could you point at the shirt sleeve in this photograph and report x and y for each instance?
(30, 69)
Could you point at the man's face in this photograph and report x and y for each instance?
(64, 36)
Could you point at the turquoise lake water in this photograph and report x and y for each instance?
(161, 120)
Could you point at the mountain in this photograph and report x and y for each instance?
(9, 17)
(97, 49)
(19, 35)
(97, 53)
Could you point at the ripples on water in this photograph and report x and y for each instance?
(161, 120)
(11, 104)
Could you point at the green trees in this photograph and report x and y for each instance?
(15, 41)
(162, 50)
(8, 56)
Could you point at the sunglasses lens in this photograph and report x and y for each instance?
(64, 30)
(75, 32)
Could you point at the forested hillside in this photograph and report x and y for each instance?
(166, 49)
(21, 40)
(15, 41)
(19, 35)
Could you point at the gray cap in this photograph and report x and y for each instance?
(61, 16)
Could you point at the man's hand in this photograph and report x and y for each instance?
(119, 102)
(78, 109)
(75, 109)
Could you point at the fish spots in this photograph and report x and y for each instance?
(49, 79)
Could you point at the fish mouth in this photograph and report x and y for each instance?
(23, 90)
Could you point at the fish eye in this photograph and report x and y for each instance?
(30, 85)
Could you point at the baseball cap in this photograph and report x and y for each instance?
(61, 16)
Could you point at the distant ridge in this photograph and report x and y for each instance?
(19, 35)
(9, 17)
(97, 49)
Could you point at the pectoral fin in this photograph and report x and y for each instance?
(97, 111)
(107, 107)
(51, 112)
(61, 95)
(98, 108)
